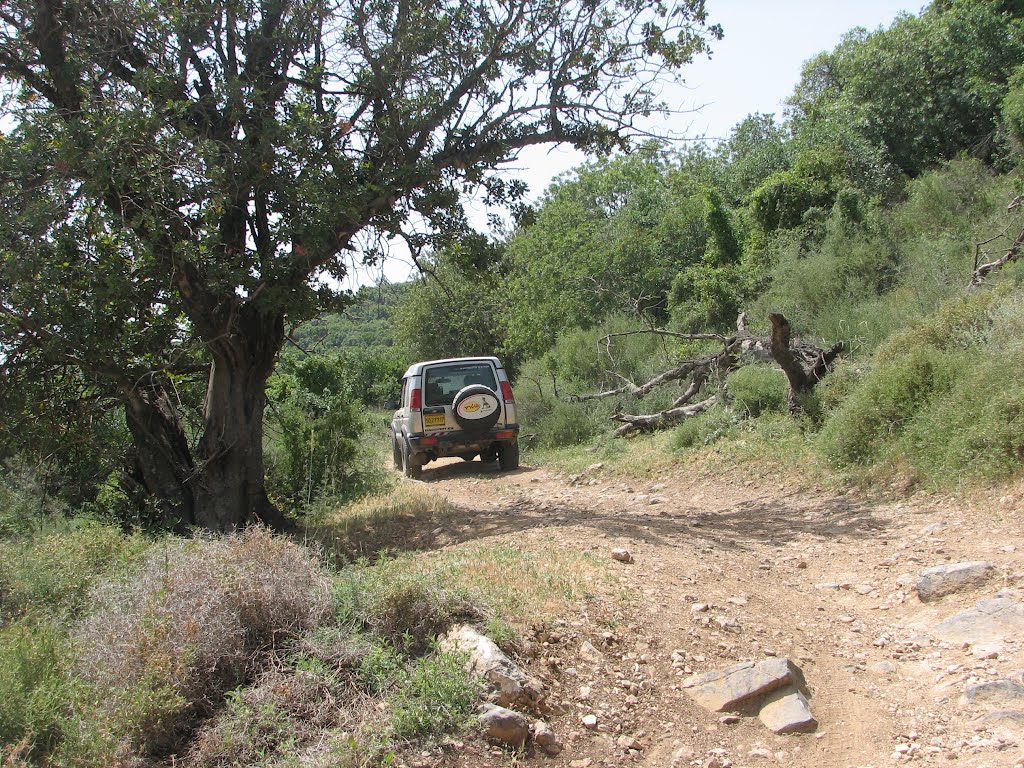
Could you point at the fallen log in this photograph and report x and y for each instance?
(667, 418)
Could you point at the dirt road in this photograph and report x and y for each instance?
(724, 572)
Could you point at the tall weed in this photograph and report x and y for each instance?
(34, 691)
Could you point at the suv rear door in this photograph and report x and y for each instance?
(442, 381)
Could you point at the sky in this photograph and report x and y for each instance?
(754, 68)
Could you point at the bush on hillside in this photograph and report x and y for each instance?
(165, 645)
(885, 402)
(943, 399)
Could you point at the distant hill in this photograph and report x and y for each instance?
(367, 323)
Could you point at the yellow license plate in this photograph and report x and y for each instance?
(434, 420)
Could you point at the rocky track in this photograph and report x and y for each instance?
(718, 573)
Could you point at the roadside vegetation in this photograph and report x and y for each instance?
(253, 649)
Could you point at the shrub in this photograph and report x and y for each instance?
(567, 424)
(706, 298)
(975, 432)
(53, 571)
(314, 424)
(33, 689)
(703, 429)
(407, 609)
(186, 628)
(437, 698)
(281, 711)
(888, 398)
(942, 400)
(757, 389)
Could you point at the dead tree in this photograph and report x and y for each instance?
(804, 365)
(980, 270)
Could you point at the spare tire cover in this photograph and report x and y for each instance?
(476, 408)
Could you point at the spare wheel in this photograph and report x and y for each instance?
(476, 408)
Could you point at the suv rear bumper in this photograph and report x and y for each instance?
(436, 445)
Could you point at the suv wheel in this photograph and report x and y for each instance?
(409, 469)
(396, 453)
(508, 457)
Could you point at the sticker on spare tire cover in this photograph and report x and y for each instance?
(477, 406)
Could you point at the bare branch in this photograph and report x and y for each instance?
(982, 271)
(661, 420)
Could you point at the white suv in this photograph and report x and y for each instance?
(462, 406)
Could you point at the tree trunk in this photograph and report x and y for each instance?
(230, 489)
(804, 364)
(161, 462)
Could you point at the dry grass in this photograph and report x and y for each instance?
(282, 711)
(164, 645)
(520, 585)
(375, 524)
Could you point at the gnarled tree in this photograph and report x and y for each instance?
(182, 175)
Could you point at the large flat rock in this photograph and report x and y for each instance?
(946, 579)
(994, 692)
(786, 710)
(989, 621)
(732, 687)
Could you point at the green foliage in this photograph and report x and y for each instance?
(437, 698)
(757, 389)
(783, 199)
(316, 421)
(456, 310)
(927, 89)
(579, 363)
(364, 324)
(407, 609)
(704, 298)
(23, 506)
(609, 239)
(885, 402)
(704, 429)
(382, 668)
(942, 399)
(34, 692)
(1011, 120)
(862, 271)
(756, 149)
(52, 572)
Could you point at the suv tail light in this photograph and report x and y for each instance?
(506, 392)
(416, 399)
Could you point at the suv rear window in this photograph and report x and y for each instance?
(442, 382)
